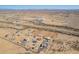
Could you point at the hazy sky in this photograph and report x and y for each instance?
(39, 6)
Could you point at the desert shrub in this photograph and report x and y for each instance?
(57, 46)
(75, 45)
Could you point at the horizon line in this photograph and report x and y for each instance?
(41, 7)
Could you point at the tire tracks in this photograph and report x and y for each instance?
(52, 28)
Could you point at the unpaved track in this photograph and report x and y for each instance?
(52, 28)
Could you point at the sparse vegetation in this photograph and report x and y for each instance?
(38, 32)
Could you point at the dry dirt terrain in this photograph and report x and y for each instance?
(39, 31)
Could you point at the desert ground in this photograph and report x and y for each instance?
(39, 31)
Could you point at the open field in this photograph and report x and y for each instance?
(39, 31)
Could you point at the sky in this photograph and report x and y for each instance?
(39, 7)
